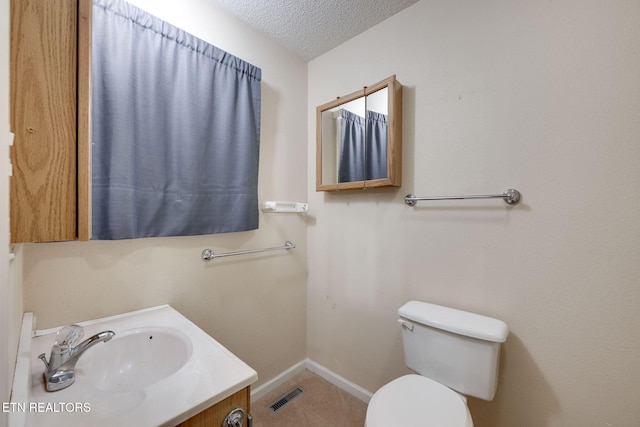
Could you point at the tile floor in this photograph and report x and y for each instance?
(321, 405)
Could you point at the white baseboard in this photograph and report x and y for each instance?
(282, 378)
(335, 379)
(353, 389)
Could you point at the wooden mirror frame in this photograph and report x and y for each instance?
(394, 143)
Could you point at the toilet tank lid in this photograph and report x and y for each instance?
(455, 321)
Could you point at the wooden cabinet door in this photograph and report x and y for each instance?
(44, 119)
(215, 415)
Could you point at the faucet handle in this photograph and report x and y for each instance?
(68, 337)
(43, 357)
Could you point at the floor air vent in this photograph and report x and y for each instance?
(278, 404)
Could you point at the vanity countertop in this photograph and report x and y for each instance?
(211, 374)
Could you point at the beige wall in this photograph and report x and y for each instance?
(537, 96)
(255, 305)
(542, 97)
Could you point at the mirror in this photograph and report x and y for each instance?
(359, 139)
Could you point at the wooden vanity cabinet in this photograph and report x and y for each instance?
(50, 110)
(215, 415)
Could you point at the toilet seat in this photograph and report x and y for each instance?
(414, 400)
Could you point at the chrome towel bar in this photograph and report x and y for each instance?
(208, 254)
(511, 197)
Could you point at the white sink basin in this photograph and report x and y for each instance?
(159, 369)
(134, 359)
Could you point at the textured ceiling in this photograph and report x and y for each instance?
(310, 28)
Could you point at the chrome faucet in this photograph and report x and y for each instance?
(60, 368)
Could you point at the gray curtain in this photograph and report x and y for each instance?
(176, 130)
(376, 151)
(351, 148)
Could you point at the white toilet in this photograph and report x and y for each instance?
(455, 353)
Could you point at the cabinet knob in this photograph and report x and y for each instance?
(234, 418)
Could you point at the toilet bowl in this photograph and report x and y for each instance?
(453, 354)
(414, 400)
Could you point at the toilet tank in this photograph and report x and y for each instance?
(456, 348)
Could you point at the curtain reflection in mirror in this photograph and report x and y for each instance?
(363, 146)
(376, 151)
(352, 143)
